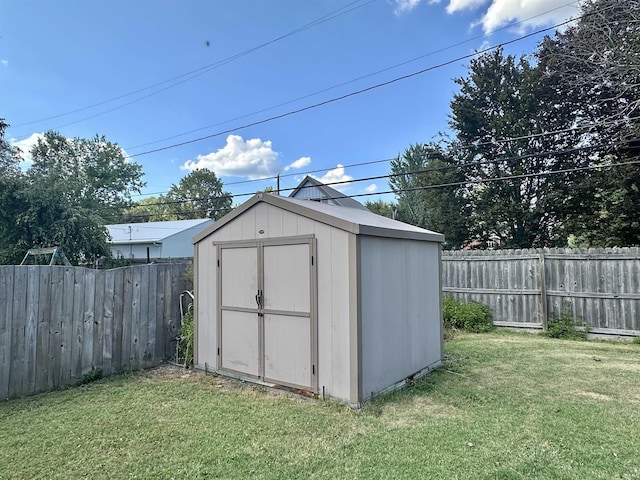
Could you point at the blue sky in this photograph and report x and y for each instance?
(64, 56)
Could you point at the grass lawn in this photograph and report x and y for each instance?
(504, 406)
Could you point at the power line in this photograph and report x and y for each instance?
(452, 184)
(199, 71)
(354, 93)
(433, 52)
(494, 142)
(446, 167)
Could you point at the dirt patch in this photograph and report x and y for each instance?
(215, 381)
(593, 395)
(415, 412)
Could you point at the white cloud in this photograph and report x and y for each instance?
(403, 6)
(301, 162)
(371, 188)
(532, 13)
(483, 46)
(459, 5)
(5, 63)
(336, 175)
(25, 147)
(238, 158)
(546, 12)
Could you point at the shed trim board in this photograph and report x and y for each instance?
(263, 318)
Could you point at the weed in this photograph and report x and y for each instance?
(185, 342)
(92, 376)
(564, 326)
(472, 317)
(636, 340)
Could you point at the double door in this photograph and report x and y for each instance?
(266, 320)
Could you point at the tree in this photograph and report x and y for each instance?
(150, 209)
(430, 192)
(199, 195)
(594, 68)
(12, 183)
(598, 59)
(501, 118)
(73, 188)
(380, 207)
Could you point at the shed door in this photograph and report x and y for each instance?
(267, 321)
(287, 314)
(239, 311)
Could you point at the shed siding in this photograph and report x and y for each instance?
(206, 301)
(400, 310)
(332, 278)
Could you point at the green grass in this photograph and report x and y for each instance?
(504, 406)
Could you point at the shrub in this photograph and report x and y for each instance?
(185, 342)
(564, 326)
(472, 317)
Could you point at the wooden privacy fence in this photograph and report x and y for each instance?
(57, 324)
(600, 288)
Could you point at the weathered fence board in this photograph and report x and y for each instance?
(60, 323)
(600, 288)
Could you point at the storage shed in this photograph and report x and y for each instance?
(332, 300)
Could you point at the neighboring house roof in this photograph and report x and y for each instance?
(353, 220)
(312, 189)
(150, 232)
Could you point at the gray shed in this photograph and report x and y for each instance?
(332, 300)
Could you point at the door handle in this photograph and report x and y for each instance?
(259, 298)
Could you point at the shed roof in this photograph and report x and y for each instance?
(149, 232)
(328, 193)
(353, 220)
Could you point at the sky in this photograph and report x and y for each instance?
(150, 74)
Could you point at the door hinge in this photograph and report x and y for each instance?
(311, 259)
(218, 351)
(313, 369)
(218, 262)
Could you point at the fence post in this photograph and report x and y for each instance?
(543, 293)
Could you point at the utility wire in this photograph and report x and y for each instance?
(493, 142)
(200, 71)
(357, 92)
(443, 185)
(447, 167)
(440, 50)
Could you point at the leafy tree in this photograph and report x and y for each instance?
(430, 192)
(595, 70)
(73, 188)
(151, 209)
(381, 207)
(199, 195)
(513, 199)
(12, 183)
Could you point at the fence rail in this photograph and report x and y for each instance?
(524, 288)
(57, 324)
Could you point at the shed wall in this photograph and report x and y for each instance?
(400, 310)
(334, 277)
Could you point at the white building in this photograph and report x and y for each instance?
(333, 300)
(151, 241)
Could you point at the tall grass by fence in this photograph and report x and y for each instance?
(524, 288)
(58, 324)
